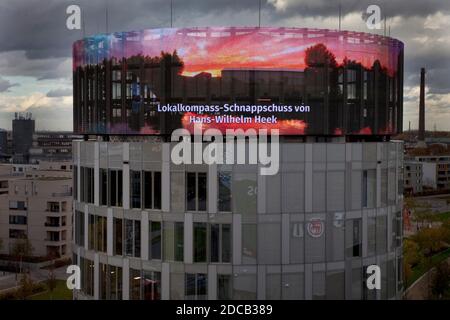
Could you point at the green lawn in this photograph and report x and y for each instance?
(420, 269)
(61, 292)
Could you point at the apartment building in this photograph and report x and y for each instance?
(36, 204)
(436, 171)
(413, 177)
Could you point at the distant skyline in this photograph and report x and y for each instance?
(36, 47)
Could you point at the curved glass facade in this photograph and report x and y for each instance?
(352, 82)
(145, 228)
(225, 232)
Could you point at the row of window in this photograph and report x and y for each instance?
(331, 284)
(145, 190)
(313, 241)
(22, 220)
(212, 242)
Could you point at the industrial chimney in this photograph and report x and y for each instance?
(421, 138)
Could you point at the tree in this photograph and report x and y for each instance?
(51, 280)
(318, 56)
(26, 286)
(412, 256)
(22, 248)
(429, 240)
(421, 211)
(441, 280)
(51, 277)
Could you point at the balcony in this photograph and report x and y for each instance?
(62, 194)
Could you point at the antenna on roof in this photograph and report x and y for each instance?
(259, 14)
(171, 13)
(84, 26)
(106, 16)
(340, 13)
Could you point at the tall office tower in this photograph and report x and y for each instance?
(421, 138)
(22, 136)
(147, 228)
(3, 142)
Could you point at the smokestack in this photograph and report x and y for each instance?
(422, 106)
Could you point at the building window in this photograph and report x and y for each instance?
(224, 287)
(152, 285)
(135, 189)
(118, 236)
(115, 188)
(224, 191)
(53, 206)
(103, 183)
(152, 189)
(133, 238)
(100, 234)
(79, 228)
(369, 188)
(318, 282)
(173, 241)
(17, 234)
(371, 235)
(87, 276)
(249, 243)
(196, 191)
(381, 235)
(17, 205)
(297, 241)
(155, 240)
(115, 283)
(75, 182)
(195, 286)
(353, 238)
(97, 232)
(135, 284)
(18, 220)
(87, 184)
(200, 245)
(220, 243)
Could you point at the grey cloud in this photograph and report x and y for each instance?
(56, 93)
(5, 85)
(326, 8)
(35, 41)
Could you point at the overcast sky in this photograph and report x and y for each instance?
(35, 46)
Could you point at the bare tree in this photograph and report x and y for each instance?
(51, 277)
(26, 286)
(22, 248)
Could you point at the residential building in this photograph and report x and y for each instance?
(36, 204)
(413, 176)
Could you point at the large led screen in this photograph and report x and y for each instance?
(299, 81)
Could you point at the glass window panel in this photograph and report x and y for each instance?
(335, 284)
(191, 191)
(200, 242)
(152, 285)
(202, 187)
(214, 242)
(157, 187)
(318, 282)
(226, 243)
(155, 238)
(297, 242)
(224, 287)
(224, 191)
(293, 286)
